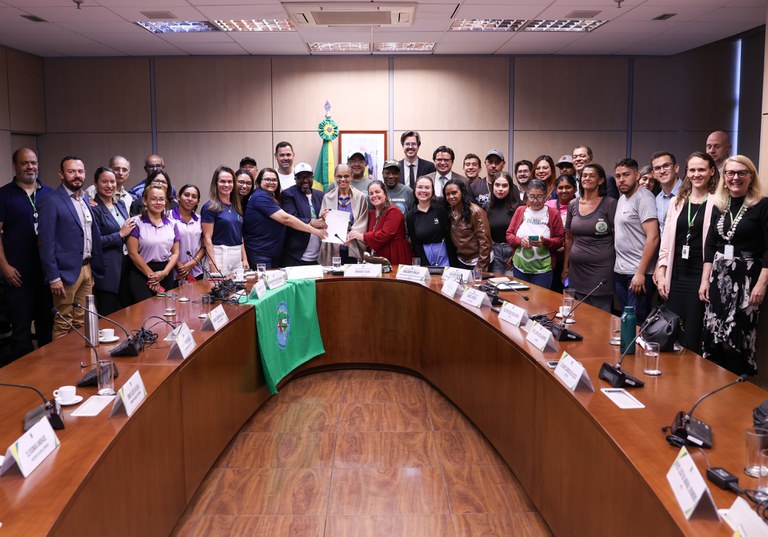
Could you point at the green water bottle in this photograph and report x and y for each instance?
(628, 328)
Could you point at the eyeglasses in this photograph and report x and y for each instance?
(730, 174)
(665, 166)
(156, 200)
(443, 160)
(537, 197)
(269, 179)
(243, 183)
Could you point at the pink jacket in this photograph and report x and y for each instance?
(667, 245)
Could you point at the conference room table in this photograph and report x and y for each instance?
(589, 467)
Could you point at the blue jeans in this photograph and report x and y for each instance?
(542, 280)
(625, 297)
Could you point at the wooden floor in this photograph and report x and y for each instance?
(360, 453)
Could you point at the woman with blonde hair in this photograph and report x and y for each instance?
(735, 272)
(681, 253)
(222, 224)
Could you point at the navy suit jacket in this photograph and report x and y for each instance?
(424, 167)
(295, 202)
(111, 245)
(61, 239)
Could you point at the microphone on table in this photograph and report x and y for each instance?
(561, 331)
(613, 373)
(89, 379)
(132, 344)
(518, 293)
(224, 287)
(49, 409)
(687, 430)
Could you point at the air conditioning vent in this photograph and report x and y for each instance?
(351, 14)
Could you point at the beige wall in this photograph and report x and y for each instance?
(211, 111)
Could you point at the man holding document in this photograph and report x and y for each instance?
(348, 211)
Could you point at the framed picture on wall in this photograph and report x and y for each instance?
(373, 144)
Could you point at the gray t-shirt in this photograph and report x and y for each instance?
(592, 253)
(631, 213)
(401, 197)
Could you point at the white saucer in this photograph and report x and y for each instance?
(570, 320)
(78, 399)
(109, 340)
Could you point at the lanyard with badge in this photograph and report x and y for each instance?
(728, 251)
(686, 247)
(32, 198)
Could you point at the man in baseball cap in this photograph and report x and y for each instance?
(400, 195)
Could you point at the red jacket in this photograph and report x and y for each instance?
(386, 237)
(554, 222)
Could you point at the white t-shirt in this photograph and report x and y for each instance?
(286, 181)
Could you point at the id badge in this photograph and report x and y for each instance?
(728, 252)
(36, 233)
(686, 251)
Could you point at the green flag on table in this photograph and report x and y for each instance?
(287, 328)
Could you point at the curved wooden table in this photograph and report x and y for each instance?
(589, 467)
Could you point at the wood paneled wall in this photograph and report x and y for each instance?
(214, 110)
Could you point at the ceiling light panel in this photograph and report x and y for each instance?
(340, 46)
(404, 47)
(255, 25)
(178, 27)
(563, 25)
(486, 25)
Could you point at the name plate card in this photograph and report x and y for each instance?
(540, 337)
(184, 343)
(512, 314)
(215, 320)
(573, 374)
(412, 273)
(130, 396)
(453, 273)
(259, 289)
(275, 279)
(31, 449)
(691, 491)
(306, 272)
(363, 270)
(475, 298)
(449, 288)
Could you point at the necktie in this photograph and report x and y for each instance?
(412, 178)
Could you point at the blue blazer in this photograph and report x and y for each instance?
(111, 245)
(295, 202)
(61, 239)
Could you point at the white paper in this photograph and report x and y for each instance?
(412, 273)
(338, 223)
(474, 297)
(512, 314)
(540, 337)
(572, 373)
(93, 406)
(130, 395)
(689, 487)
(363, 270)
(259, 289)
(741, 517)
(453, 273)
(31, 448)
(449, 288)
(306, 272)
(275, 279)
(622, 398)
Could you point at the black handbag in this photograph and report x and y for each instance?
(663, 327)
